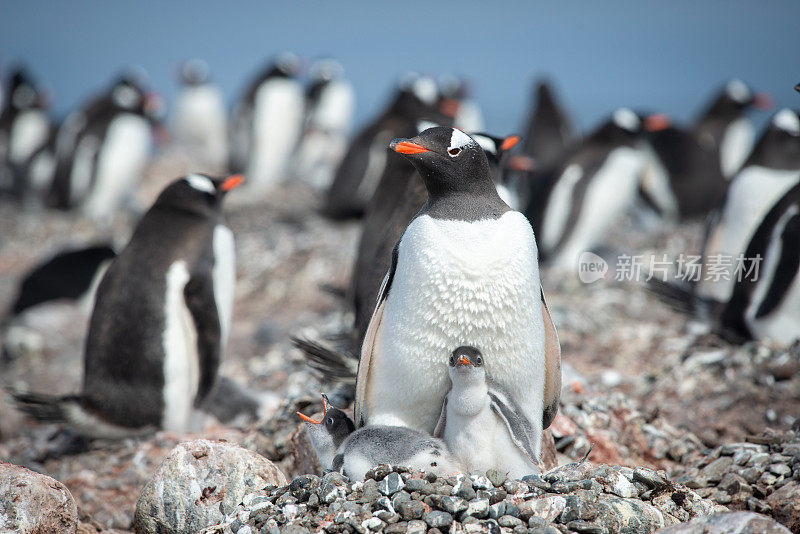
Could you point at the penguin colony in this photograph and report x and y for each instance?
(453, 361)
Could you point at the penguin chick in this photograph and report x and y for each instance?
(354, 452)
(481, 423)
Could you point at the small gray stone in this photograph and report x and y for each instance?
(714, 471)
(417, 484)
(437, 519)
(477, 508)
(399, 498)
(768, 479)
(781, 470)
(453, 505)
(481, 482)
(497, 510)
(417, 527)
(391, 484)
(496, 477)
(585, 527)
(411, 510)
(509, 521)
(750, 474)
(466, 492)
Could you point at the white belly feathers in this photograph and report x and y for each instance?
(458, 283)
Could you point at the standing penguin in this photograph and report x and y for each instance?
(24, 128)
(103, 148)
(267, 124)
(482, 424)
(199, 120)
(160, 321)
(588, 189)
(366, 161)
(767, 305)
(549, 131)
(772, 169)
(465, 270)
(330, 104)
(724, 129)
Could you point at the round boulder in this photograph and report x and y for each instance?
(198, 483)
(31, 502)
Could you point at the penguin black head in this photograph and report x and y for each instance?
(288, 64)
(466, 366)
(735, 98)
(449, 162)
(779, 145)
(194, 72)
(335, 424)
(23, 92)
(197, 193)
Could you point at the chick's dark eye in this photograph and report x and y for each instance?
(479, 360)
(330, 420)
(454, 151)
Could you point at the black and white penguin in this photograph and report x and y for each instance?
(199, 118)
(723, 127)
(103, 147)
(591, 187)
(481, 423)
(160, 321)
(468, 115)
(549, 129)
(330, 105)
(24, 129)
(267, 124)
(339, 446)
(772, 169)
(365, 163)
(766, 305)
(464, 271)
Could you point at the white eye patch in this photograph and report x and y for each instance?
(201, 183)
(425, 89)
(125, 97)
(627, 119)
(787, 120)
(458, 142)
(738, 91)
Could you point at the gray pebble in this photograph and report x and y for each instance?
(391, 484)
(438, 519)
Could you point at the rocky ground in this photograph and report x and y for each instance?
(679, 415)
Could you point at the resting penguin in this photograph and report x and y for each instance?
(267, 124)
(464, 271)
(772, 169)
(199, 119)
(339, 446)
(592, 185)
(366, 160)
(160, 320)
(481, 423)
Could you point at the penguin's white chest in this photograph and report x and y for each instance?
(458, 283)
(181, 357)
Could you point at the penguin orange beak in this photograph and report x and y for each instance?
(307, 419)
(510, 142)
(402, 146)
(463, 360)
(657, 122)
(232, 182)
(763, 101)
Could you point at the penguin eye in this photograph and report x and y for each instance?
(478, 361)
(330, 420)
(454, 151)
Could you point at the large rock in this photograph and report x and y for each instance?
(198, 483)
(728, 523)
(34, 503)
(785, 504)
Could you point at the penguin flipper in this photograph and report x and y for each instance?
(199, 296)
(519, 428)
(330, 365)
(786, 269)
(438, 432)
(552, 369)
(368, 346)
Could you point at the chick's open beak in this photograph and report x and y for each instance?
(307, 419)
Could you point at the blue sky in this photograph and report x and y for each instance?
(662, 56)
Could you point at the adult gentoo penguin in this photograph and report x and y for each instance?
(549, 130)
(339, 446)
(160, 321)
(103, 147)
(24, 128)
(464, 271)
(199, 119)
(366, 161)
(723, 127)
(772, 169)
(481, 423)
(330, 104)
(267, 124)
(591, 186)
